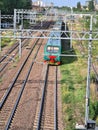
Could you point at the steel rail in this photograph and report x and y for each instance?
(15, 78)
(11, 58)
(42, 100)
(21, 91)
(2, 68)
(10, 51)
(55, 101)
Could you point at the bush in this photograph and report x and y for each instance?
(94, 110)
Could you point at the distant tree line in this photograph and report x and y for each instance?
(8, 6)
(90, 6)
(79, 7)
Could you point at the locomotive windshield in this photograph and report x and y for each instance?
(52, 49)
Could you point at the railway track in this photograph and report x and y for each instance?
(47, 112)
(13, 47)
(9, 51)
(10, 100)
(20, 100)
(11, 54)
(43, 25)
(12, 68)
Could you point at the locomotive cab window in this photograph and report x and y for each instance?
(52, 49)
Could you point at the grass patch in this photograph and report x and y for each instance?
(7, 41)
(74, 80)
(73, 89)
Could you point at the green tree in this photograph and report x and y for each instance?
(8, 6)
(91, 5)
(24, 4)
(79, 6)
(1, 4)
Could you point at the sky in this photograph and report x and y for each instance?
(70, 3)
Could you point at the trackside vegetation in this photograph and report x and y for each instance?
(73, 83)
(7, 42)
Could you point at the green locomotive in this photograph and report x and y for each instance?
(52, 49)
